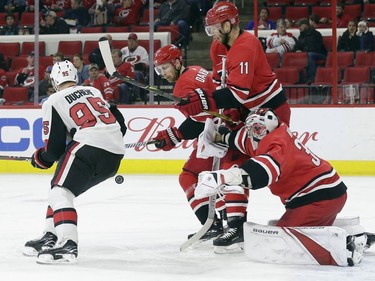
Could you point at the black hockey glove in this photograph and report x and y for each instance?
(119, 117)
(38, 162)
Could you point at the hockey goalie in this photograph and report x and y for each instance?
(310, 189)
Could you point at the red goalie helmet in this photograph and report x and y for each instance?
(168, 53)
(221, 12)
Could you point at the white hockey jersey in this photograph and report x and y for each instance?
(282, 44)
(139, 55)
(81, 109)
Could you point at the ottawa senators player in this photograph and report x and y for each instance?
(193, 79)
(76, 124)
(250, 80)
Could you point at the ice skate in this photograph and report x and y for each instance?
(230, 242)
(63, 253)
(33, 247)
(355, 246)
(214, 231)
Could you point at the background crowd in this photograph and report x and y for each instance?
(180, 17)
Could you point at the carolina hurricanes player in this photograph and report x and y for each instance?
(308, 186)
(89, 157)
(168, 63)
(250, 80)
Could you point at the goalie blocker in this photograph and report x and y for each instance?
(319, 245)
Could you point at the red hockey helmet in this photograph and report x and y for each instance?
(168, 53)
(221, 12)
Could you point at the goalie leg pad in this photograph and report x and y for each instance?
(295, 245)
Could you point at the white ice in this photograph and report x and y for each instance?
(133, 232)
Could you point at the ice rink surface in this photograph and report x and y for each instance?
(133, 232)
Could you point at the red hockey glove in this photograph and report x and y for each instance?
(196, 102)
(235, 115)
(38, 162)
(167, 139)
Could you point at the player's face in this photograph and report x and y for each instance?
(167, 71)
(213, 30)
(94, 73)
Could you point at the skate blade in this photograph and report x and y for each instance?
(30, 252)
(231, 249)
(65, 259)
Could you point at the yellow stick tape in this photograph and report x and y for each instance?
(162, 166)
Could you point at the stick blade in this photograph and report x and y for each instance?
(105, 50)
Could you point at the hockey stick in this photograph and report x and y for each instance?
(127, 145)
(141, 143)
(18, 158)
(107, 58)
(212, 199)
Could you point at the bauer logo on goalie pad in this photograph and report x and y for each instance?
(206, 147)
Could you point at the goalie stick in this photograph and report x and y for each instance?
(107, 58)
(212, 199)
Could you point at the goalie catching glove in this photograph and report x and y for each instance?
(221, 182)
(206, 142)
(196, 102)
(37, 160)
(168, 139)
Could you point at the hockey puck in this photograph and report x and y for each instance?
(119, 179)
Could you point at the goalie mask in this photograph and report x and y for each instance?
(259, 123)
(167, 54)
(63, 71)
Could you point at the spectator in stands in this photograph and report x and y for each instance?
(55, 5)
(349, 41)
(342, 20)
(77, 16)
(95, 55)
(138, 57)
(128, 13)
(30, 5)
(50, 91)
(3, 81)
(15, 6)
(25, 75)
(311, 41)
(314, 21)
(174, 12)
(263, 23)
(288, 23)
(57, 57)
(45, 83)
(99, 81)
(122, 91)
(10, 27)
(99, 13)
(135, 54)
(82, 69)
(366, 37)
(280, 41)
(3, 64)
(51, 24)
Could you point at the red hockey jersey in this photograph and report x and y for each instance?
(291, 170)
(250, 78)
(194, 77)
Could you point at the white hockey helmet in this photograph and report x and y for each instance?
(63, 71)
(261, 122)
